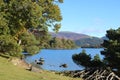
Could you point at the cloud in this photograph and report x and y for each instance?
(96, 28)
(93, 32)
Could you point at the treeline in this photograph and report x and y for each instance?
(58, 43)
(49, 42)
(92, 42)
(80, 40)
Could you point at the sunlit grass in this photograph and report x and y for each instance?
(8, 71)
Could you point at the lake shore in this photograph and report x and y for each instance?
(10, 71)
(23, 64)
(55, 58)
(75, 74)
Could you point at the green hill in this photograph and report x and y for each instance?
(8, 71)
(89, 42)
(81, 40)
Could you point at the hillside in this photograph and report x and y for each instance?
(105, 38)
(8, 71)
(92, 42)
(81, 40)
(69, 35)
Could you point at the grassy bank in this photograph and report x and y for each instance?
(8, 71)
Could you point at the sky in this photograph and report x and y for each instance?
(91, 17)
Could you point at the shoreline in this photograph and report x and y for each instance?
(23, 64)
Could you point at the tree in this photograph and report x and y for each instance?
(112, 48)
(29, 43)
(85, 60)
(82, 59)
(97, 62)
(108, 67)
(20, 16)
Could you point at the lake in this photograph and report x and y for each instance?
(54, 58)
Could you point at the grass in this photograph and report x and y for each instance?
(8, 71)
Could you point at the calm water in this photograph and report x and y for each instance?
(54, 58)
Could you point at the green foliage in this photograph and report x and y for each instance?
(111, 53)
(57, 43)
(32, 49)
(20, 15)
(17, 17)
(86, 60)
(97, 62)
(42, 37)
(3, 26)
(89, 42)
(45, 40)
(9, 47)
(112, 48)
(29, 43)
(61, 1)
(96, 57)
(50, 13)
(80, 40)
(57, 27)
(82, 59)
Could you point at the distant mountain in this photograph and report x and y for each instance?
(81, 40)
(89, 42)
(69, 35)
(104, 38)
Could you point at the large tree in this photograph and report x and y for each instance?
(112, 48)
(108, 67)
(18, 17)
(111, 52)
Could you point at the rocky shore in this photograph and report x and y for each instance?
(21, 63)
(86, 74)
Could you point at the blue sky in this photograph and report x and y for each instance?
(91, 17)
